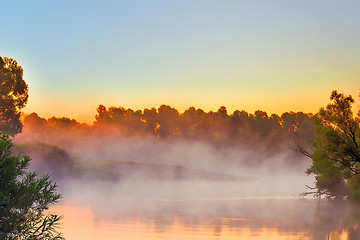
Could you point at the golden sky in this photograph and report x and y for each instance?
(275, 56)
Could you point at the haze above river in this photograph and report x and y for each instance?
(259, 208)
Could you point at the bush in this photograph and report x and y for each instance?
(24, 198)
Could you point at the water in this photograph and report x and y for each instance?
(189, 210)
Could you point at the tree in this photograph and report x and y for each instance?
(24, 198)
(168, 120)
(13, 95)
(336, 156)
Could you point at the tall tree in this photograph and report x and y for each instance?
(336, 156)
(13, 95)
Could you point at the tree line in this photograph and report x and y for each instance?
(219, 128)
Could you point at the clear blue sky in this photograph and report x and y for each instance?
(274, 55)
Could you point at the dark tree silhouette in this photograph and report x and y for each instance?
(13, 95)
(168, 119)
(150, 119)
(270, 133)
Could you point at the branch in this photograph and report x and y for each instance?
(299, 148)
(302, 151)
(317, 193)
(348, 166)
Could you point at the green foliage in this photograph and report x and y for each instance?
(354, 188)
(24, 198)
(336, 157)
(13, 95)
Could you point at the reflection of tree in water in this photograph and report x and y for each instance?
(352, 221)
(315, 219)
(333, 218)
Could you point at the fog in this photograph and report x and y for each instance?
(193, 181)
(149, 167)
(101, 169)
(195, 167)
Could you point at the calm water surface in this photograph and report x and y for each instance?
(168, 214)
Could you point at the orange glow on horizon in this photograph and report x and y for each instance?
(84, 111)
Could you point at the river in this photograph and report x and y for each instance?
(199, 210)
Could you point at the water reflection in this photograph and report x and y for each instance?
(217, 218)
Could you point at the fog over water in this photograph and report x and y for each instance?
(182, 189)
(196, 168)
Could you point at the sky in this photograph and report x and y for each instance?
(250, 55)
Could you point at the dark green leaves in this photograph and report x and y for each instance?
(336, 157)
(24, 198)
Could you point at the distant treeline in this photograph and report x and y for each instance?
(219, 128)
